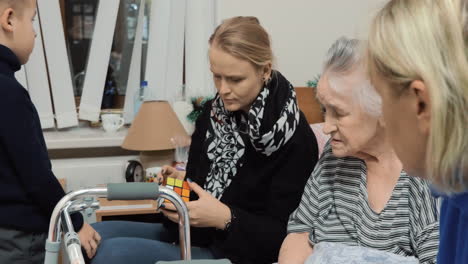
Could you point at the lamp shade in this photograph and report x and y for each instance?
(153, 127)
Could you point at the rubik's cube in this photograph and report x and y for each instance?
(180, 187)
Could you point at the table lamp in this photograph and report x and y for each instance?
(151, 132)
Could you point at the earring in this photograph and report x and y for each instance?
(266, 81)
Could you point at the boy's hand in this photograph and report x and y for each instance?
(89, 239)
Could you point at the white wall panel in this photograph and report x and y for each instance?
(89, 172)
(302, 30)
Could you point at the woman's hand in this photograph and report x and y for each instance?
(89, 239)
(207, 211)
(295, 249)
(169, 171)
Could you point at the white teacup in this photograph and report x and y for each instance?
(112, 122)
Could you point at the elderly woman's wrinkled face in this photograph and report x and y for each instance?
(352, 130)
(237, 81)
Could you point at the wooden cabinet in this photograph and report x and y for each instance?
(309, 104)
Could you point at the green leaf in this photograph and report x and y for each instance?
(313, 82)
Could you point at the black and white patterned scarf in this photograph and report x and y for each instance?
(225, 145)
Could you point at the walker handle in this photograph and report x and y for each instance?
(132, 191)
(75, 255)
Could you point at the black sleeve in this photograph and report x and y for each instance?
(198, 138)
(258, 235)
(27, 152)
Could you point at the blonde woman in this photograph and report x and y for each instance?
(251, 154)
(418, 54)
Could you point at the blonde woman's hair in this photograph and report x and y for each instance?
(427, 40)
(244, 38)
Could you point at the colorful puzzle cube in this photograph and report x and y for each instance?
(180, 187)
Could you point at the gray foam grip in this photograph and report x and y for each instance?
(132, 191)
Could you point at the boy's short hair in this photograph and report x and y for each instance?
(15, 4)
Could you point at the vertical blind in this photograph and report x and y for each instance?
(98, 59)
(134, 75)
(164, 68)
(38, 81)
(200, 24)
(58, 63)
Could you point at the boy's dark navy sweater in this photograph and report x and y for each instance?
(29, 190)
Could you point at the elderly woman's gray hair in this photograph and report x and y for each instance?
(344, 57)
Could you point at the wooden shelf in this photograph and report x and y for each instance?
(137, 207)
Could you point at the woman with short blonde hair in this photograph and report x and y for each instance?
(417, 54)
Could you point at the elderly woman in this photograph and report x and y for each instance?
(426, 93)
(358, 194)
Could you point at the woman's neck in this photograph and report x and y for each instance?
(387, 164)
(379, 156)
(383, 172)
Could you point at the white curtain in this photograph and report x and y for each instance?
(200, 24)
(58, 63)
(98, 60)
(164, 67)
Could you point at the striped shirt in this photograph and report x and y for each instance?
(335, 208)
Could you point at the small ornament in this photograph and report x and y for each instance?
(198, 103)
(314, 82)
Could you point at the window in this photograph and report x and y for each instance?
(92, 54)
(79, 18)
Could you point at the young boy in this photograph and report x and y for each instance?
(29, 190)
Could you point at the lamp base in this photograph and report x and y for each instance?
(156, 158)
